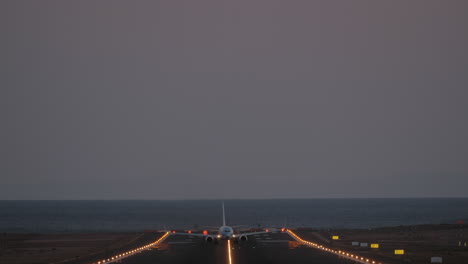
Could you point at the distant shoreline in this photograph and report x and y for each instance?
(398, 227)
(104, 216)
(237, 199)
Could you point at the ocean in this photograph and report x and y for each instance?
(139, 215)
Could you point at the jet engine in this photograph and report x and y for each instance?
(209, 239)
(243, 238)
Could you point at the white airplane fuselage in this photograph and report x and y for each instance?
(226, 232)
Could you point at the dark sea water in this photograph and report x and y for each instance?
(92, 216)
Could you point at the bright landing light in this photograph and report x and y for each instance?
(229, 252)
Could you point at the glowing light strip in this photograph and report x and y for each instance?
(132, 252)
(340, 253)
(229, 251)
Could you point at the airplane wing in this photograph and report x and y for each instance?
(204, 235)
(252, 233)
(191, 234)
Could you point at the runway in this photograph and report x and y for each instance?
(270, 248)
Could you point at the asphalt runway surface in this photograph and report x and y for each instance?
(267, 248)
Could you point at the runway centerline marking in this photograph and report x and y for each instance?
(229, 251)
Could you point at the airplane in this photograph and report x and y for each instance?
(225, 232)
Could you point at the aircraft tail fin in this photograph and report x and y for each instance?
(224, 216)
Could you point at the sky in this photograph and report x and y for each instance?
(240, 99)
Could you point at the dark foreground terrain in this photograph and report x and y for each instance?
(419, 242)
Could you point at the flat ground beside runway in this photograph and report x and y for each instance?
(420, 242)
(69, 248)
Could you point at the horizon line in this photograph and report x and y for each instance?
(239, 199)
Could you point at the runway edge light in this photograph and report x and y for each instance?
(339, 252)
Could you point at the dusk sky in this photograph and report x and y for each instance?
(233, 99)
